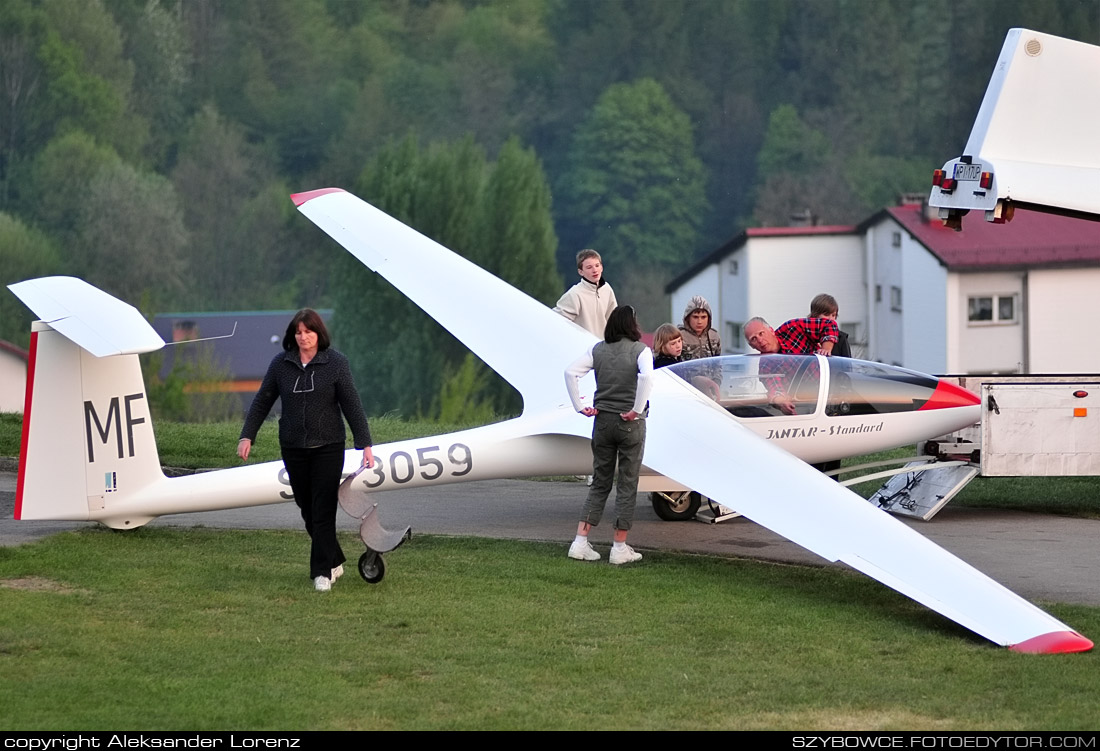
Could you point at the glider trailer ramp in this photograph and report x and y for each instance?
(1031, 426)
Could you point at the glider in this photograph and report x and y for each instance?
(86, 413)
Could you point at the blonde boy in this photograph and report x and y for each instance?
(590, 301)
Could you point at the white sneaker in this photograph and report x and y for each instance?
(322, 584)
(623, 554)
(582, 551)
(337, 573)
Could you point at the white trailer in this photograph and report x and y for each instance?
(1031, 426)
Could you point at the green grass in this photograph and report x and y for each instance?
(203, 629)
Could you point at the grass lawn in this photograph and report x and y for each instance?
(202, 629)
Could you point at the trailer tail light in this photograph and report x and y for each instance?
(1080, 411)
(948, 184)
(937, 177)
(987, 180)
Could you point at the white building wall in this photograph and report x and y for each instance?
(989, 347)
(924, 309)
(735, 296)
(13, 382)
(1060, 303)
(956, 319)
(907, 300)
(888, 344)
(776, 277)
(788, 272)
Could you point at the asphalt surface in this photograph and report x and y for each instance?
(1042, 558)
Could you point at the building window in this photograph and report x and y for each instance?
(734, 267)
(895, 298)
(991, 309)
(896, 240)
(878, 293)
(735, 337)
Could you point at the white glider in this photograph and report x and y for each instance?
(88, 450)
(690, 438)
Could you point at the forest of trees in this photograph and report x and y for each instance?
(149, 146)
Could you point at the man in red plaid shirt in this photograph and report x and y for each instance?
(798, 336)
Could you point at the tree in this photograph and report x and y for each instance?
(59, 179)
(25, 253)
(130, 236)
(790, 145)
(495, 215)
(162, 61)
(516, 238)
(235, 212)
(634, 188)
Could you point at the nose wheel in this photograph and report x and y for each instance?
(371, 566)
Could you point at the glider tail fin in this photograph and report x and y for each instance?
(87, 432)
(87, 442)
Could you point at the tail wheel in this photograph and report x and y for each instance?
(371, 567)
(676, 506)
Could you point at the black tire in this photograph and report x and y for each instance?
(371, 567)
(676, 506)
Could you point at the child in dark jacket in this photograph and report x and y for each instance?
(668, 346)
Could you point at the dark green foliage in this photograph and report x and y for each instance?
(634, 188)
(25, 253)
(497, 215)
(650, 118)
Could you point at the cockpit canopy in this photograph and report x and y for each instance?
(752, 385)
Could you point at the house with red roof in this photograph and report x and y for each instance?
(774, 272)
(992, 298)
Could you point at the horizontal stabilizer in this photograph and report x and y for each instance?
(101, 324)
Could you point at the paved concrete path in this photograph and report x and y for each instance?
(1040, 557)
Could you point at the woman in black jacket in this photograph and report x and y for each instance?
(315, 385)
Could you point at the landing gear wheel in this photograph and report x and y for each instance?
(371, 567)
(677, 506)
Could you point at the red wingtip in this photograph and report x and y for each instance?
(1054, 643)
(309, 195)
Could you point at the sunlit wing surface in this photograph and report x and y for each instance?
(691, 439)
(98, 322)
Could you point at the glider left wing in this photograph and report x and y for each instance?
(690, 438)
